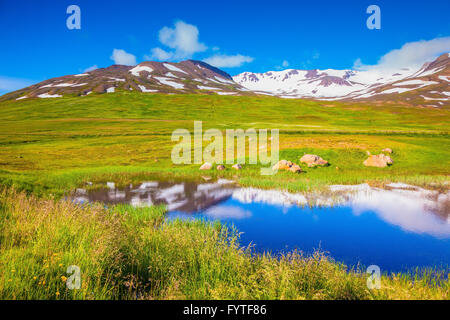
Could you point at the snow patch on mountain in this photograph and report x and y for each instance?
(415, 82)
(144, 89)
(168, 82)
(47, 95)
(207, 88)
(136, 70)
(173, 68)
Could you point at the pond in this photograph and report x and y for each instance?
(398, 228)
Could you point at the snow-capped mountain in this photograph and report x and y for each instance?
(429, 81)
(427, 85)
(188, 76)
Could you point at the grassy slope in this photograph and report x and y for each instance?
(52, 145)
(47, 144)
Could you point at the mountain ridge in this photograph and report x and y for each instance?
(189, 76)
(350, 85)
(424, 86)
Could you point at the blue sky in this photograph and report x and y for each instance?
(239, 36)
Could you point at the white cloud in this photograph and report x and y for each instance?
(122, 57)
(411, 54)
(159, 54)
(91, 68)
(11, 84)
(183, 39)
(285, 63)
(227, 61)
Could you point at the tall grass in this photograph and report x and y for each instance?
(134, 253)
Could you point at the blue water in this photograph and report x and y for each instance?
(346, 236)
(398, 228)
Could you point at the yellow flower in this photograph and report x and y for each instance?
(13, 270)
(63, 279)
(9, 280)
(60, 264)
(34, 278)
(43, 283)
(57, 293)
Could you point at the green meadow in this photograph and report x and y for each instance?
(49, 147)
(53, 145)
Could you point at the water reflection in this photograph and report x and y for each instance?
(188, 197)
(396, 227)
(411, 208)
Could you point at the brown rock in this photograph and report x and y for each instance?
(282, 165)
(313, 160)
(295, 168)
(379, 161)
(206, 166)
(220, 167)
(288, 166)
(387, 159)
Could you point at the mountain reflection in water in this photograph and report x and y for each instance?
(396, 227)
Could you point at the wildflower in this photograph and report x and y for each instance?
(63, 278)
(34, 278)
(60, 265)
(57, 293)
(13, 270)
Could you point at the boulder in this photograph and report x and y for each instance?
(206, 166)
(387, 150)
(295, 168)
(220, 167)
(237, 166)
(379, 161)
(282, 165)
(313, 160)
(287, 165)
